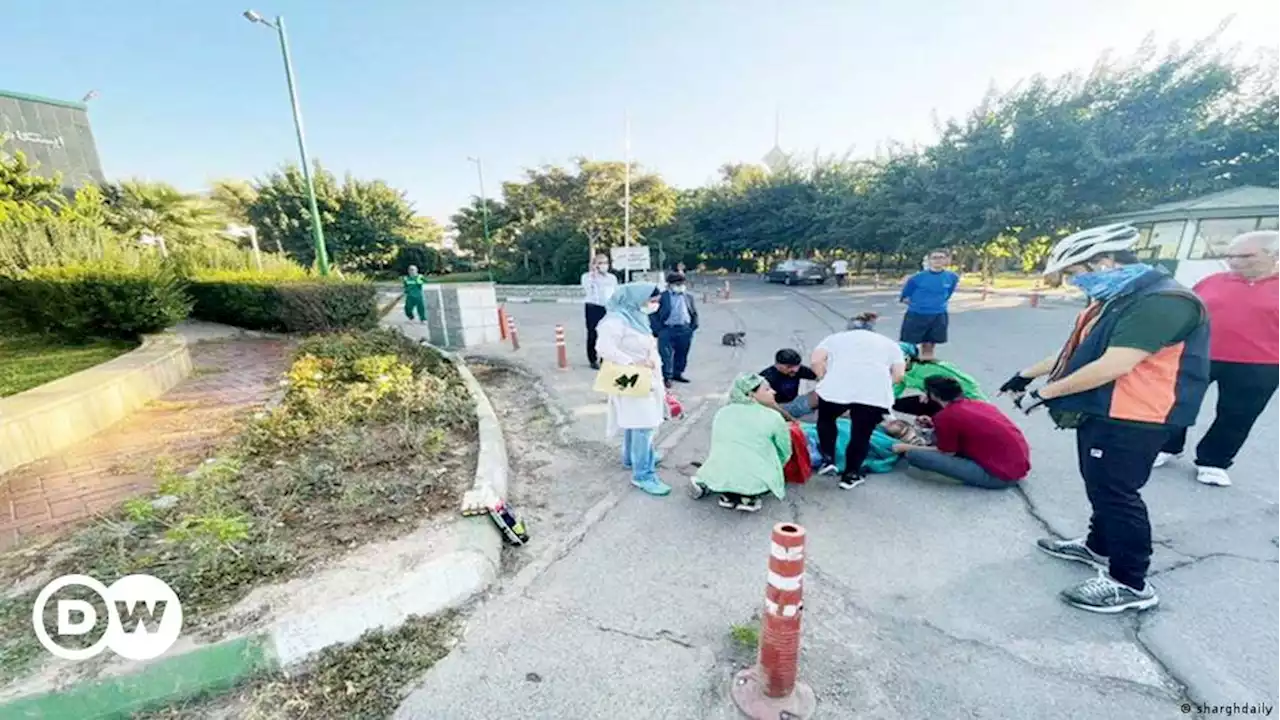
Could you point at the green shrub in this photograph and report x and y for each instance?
(284, 302)
(94, 300)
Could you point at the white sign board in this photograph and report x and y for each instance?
(634, 257)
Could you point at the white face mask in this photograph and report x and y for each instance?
(649, 309)
(602, 269)
(677, 288)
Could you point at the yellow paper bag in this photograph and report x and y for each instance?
(624, 380)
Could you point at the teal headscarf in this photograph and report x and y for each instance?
(743, 387)
(627, 302)
(909, 350)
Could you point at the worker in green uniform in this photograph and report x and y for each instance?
(413, 299)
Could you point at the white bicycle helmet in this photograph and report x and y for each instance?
(1092, 242)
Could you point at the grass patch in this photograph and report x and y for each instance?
(375, 432)
(28, 361)
(746, 636)
(366, 680)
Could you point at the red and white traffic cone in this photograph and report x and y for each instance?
(769, 690)
(502, 321)
(511, 330)
(985, 290)
(726, 289)
(1035, 295)
(562, 355)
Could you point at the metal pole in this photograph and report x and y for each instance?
(626, 185)
(484, 214)
(322, 254)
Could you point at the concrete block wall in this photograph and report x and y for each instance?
(461, 315)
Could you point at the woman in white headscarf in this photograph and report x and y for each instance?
(624, 337)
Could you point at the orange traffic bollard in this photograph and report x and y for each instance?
(726, 289)
(985, 290)
(770, 688)
(1035, 295)
(502, 321)
(511, 330)
(562, 356)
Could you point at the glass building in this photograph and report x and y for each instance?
(54, 135)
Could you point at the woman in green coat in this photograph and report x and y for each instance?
(750, 444)
(910, 393)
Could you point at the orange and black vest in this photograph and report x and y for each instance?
(1166, 388)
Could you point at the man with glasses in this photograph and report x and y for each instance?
(1133, 369)
(1244, 350)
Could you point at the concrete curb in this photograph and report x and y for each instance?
(44, 420)
(469, 566)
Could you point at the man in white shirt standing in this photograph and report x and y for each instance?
(857, 370)
(840, 268)
(598, 285)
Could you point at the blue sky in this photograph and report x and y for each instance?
(404, 91)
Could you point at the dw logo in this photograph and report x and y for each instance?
(142, 598)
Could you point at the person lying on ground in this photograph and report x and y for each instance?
(910, 392)
(750, 444)
(976, 444)
(880, 456)
(784, 376)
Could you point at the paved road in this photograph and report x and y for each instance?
(922, 601)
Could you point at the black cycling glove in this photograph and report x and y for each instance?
(1016, 384)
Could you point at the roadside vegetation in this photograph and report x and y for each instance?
(365, 680)
(374, 433)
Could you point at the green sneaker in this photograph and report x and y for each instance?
(653, 486)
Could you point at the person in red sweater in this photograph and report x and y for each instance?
(976, 444)
(1244, 352)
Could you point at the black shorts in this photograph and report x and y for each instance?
(924, 328)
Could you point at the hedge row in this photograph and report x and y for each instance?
(125, 302)
(296, 306)
(89, 301)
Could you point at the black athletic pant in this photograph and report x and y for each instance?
(1244, 389)
(595, 313)
(1115, 461)
(863, 420)
(916, 405)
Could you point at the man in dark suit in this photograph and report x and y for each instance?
(674, 325)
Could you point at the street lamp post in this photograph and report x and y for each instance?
(317, 231)
(484, 215)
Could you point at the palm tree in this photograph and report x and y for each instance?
(159, 213)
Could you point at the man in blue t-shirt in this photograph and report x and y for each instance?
(926, 294)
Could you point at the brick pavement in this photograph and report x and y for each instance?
(228, 378)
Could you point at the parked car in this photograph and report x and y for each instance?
(798, 272)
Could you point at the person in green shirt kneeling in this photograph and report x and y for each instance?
(918, 402)
(413, 298)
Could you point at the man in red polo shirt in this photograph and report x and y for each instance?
(1244, 350)
(976, 444)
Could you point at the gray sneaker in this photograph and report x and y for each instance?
(1104, 594)
(1075, 550)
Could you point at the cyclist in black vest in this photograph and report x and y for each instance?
(1135, 367)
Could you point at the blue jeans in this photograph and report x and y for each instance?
(673, 344)
(962, 469)
(799, 407)
(638, 454)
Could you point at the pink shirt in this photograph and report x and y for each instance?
(1244, 318)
